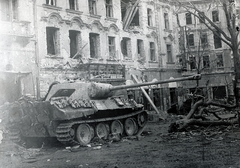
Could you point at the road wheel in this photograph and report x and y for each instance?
(84, 134)
(102, 130)
(130, 126)
(116, 127)
(142, 119)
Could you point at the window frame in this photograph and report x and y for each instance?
(74, 6)
(53, 41)
(220, 62)
(95, 45)
(77, 35)
(166, 21)
(217, 41)
(188, 18)
(92, 6)
(9, 12)
(215, 16)
(51, 2)
(190, 41)
(152, 49)
(109, 8)
(206, 61)
(169, 53)
(112, 46)
(149, 16)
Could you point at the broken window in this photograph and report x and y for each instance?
(52, 40)
(92, 7)
(204, 39)
(126, 47)
(94, 45)
(192, 62)
(149, 15)
(201, 17)
(140, 48)
(109, 8)
(217, 41)
(75, 41)
(135, 21)
(215, 17)
(206, 62)
(73, 4)
(219, 92)
(111, 45)
(152, 51)
(51, 2)
(190, 40)
(219, 60)
(9, 10)
(188, 18)
(166, 20)
(169, 53)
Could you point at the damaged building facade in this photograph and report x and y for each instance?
(18, 65)
(107, 41)
(202, 51)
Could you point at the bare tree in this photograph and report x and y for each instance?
(228, 36)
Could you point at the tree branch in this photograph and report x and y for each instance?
(228, 39)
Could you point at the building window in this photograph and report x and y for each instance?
(206, 62)
(109, 8)
(149, 14)
(204, 39)
(9, 10)
(188, 18)
(94, 45)
(219, 60)
(126, 48)
(217, 41)
(73, 4)
(51, 2)
(219, 92)
(152, 51)
(215, 17)
(166, 21)
(92, 7)
(201, 17)
(190, 40)
(111, 45)
(192, 62)
(52, 40)
(140, 48)
(169, 53)
(75, 43)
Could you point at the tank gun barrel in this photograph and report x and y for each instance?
(193, 77)
(98, 91)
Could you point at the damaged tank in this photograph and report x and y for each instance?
(77, 112)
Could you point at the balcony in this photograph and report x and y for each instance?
(17, 28)
(18, 31)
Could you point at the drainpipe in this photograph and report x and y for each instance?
(36, 48)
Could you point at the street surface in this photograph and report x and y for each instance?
(213, 147)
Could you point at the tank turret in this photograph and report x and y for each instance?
(100, 90)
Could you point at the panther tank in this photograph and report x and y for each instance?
(77, 112)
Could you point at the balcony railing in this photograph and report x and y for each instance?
(17, 28)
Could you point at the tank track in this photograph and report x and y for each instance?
(63, 133)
